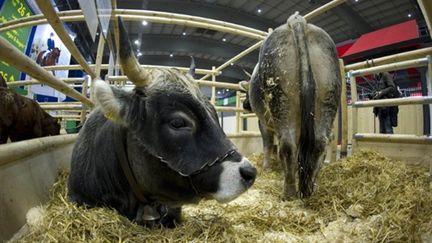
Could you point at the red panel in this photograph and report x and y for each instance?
(343, 48)
(383, 37)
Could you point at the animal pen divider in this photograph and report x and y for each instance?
(56, 19)
(44, 155)
(393, 145)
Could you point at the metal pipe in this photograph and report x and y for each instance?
(393, 138)
(17, 59)
(391, 67)
(55, 22)
(11, 152)
(235, 58)
(420, 100)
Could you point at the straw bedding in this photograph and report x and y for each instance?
(364, 198)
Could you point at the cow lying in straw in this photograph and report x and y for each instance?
(149, 151)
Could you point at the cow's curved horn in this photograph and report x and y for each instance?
(138, 75)
(192, 67)
(244, 86)
(247, 73)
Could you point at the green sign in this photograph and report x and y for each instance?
(14, 9)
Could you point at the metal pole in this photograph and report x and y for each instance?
(213, 94)
(55, 22)
(344, 112)
(354, 111)
(14, 57)
(87, 80)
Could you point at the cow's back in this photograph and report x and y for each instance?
(277, 83)
(325, 67)
(296, 91)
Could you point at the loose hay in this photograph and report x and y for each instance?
(366, 197)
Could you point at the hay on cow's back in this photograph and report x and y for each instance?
(366, 197)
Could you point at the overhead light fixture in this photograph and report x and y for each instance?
(356, 1)
(144, 23)
(171, 55)
(223, 39)
(139, 54)
(409, 15)
(259, 10)
(232, 64)
(136, 42)
(184, 33)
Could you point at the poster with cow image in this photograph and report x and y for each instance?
(48, 50)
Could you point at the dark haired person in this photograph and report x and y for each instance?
(387, 90)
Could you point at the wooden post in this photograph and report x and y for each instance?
(332, 146)
(429, 85)
(87, 80)
(354, 110)
(343, 112)
(213, 93)
(99, 55)
(55, 22)
(239, 127)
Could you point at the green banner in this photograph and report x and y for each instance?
(14, 9)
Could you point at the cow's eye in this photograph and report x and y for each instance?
(177, 123)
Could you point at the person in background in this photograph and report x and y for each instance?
(388, 116)
(50, 42)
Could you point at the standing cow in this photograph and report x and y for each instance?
(22, 118)
(295, 92)
(149, 151)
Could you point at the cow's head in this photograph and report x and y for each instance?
(170, 120)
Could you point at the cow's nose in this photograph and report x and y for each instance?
(248, 173)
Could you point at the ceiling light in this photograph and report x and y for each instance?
(223, 39)
(139, 54)
(144, 23)
(171, 55)
(259, 10)
(356, 1)
(184, 33)
(232, 64)
(409, 15)
(227, 90)
(136, 42)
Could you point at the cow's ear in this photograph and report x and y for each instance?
(110, 99)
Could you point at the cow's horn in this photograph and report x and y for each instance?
(247, 73)
(138, 75)
(192, 67)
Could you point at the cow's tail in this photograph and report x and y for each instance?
(306, 146)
